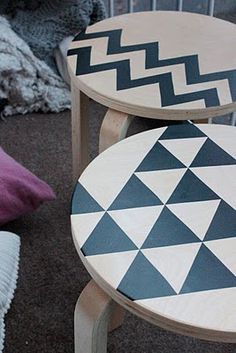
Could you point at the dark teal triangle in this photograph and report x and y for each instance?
(190, 189)
(106, 238)
(211, 154)
(181, 131)
(207, 273)
(159, 158)
(223, 224)
(83, 202)
(143, 281)
(169, 230)
(135, 194)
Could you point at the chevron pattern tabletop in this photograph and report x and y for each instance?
(153, 60)
(154, 217)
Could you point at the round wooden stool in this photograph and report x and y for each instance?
(161, 65)
(154, 222)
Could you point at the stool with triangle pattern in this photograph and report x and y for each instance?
(154, 222)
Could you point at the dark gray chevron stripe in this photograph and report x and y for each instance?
(124, 80)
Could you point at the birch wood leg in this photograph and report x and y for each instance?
(117, 318)
(93, 311)
(114, 128)
(233, 119)
(80, 153)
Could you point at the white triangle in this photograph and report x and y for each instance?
(225, 250)
(82, 225)
(112, 267)
(221, 179)
(224, 136)
(196, 215)
(137, 222)
(173, 262)
(184, 149)
(162, 182)
(107, 174)
(212, 310)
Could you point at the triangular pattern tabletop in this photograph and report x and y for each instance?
(152, 69)
(154, 217)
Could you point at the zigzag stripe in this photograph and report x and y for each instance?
(165, 81)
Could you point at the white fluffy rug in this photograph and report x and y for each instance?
(27, 82)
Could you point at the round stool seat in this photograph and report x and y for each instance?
(154, 221)
(161, 64)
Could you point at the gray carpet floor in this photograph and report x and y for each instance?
(51, 276)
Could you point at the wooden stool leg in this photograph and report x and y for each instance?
(93, 311)
(233, 119)
(210, 120)
(117, 318)
(80, 153)
(114, 128)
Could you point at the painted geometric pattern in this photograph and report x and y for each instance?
(164, 82)
(168, 228)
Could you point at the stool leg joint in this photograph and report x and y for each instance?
(95, 313)
(114, 128)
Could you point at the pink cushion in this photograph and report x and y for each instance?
(20, 190)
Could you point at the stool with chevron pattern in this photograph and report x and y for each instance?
(154, 222)
(162, 65)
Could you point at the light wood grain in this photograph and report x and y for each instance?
(208, 314)
(212, 39)
(233, 118)
(117, 318)
(93, 312)
(79, 121)
(114, 128)
(164, 321)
